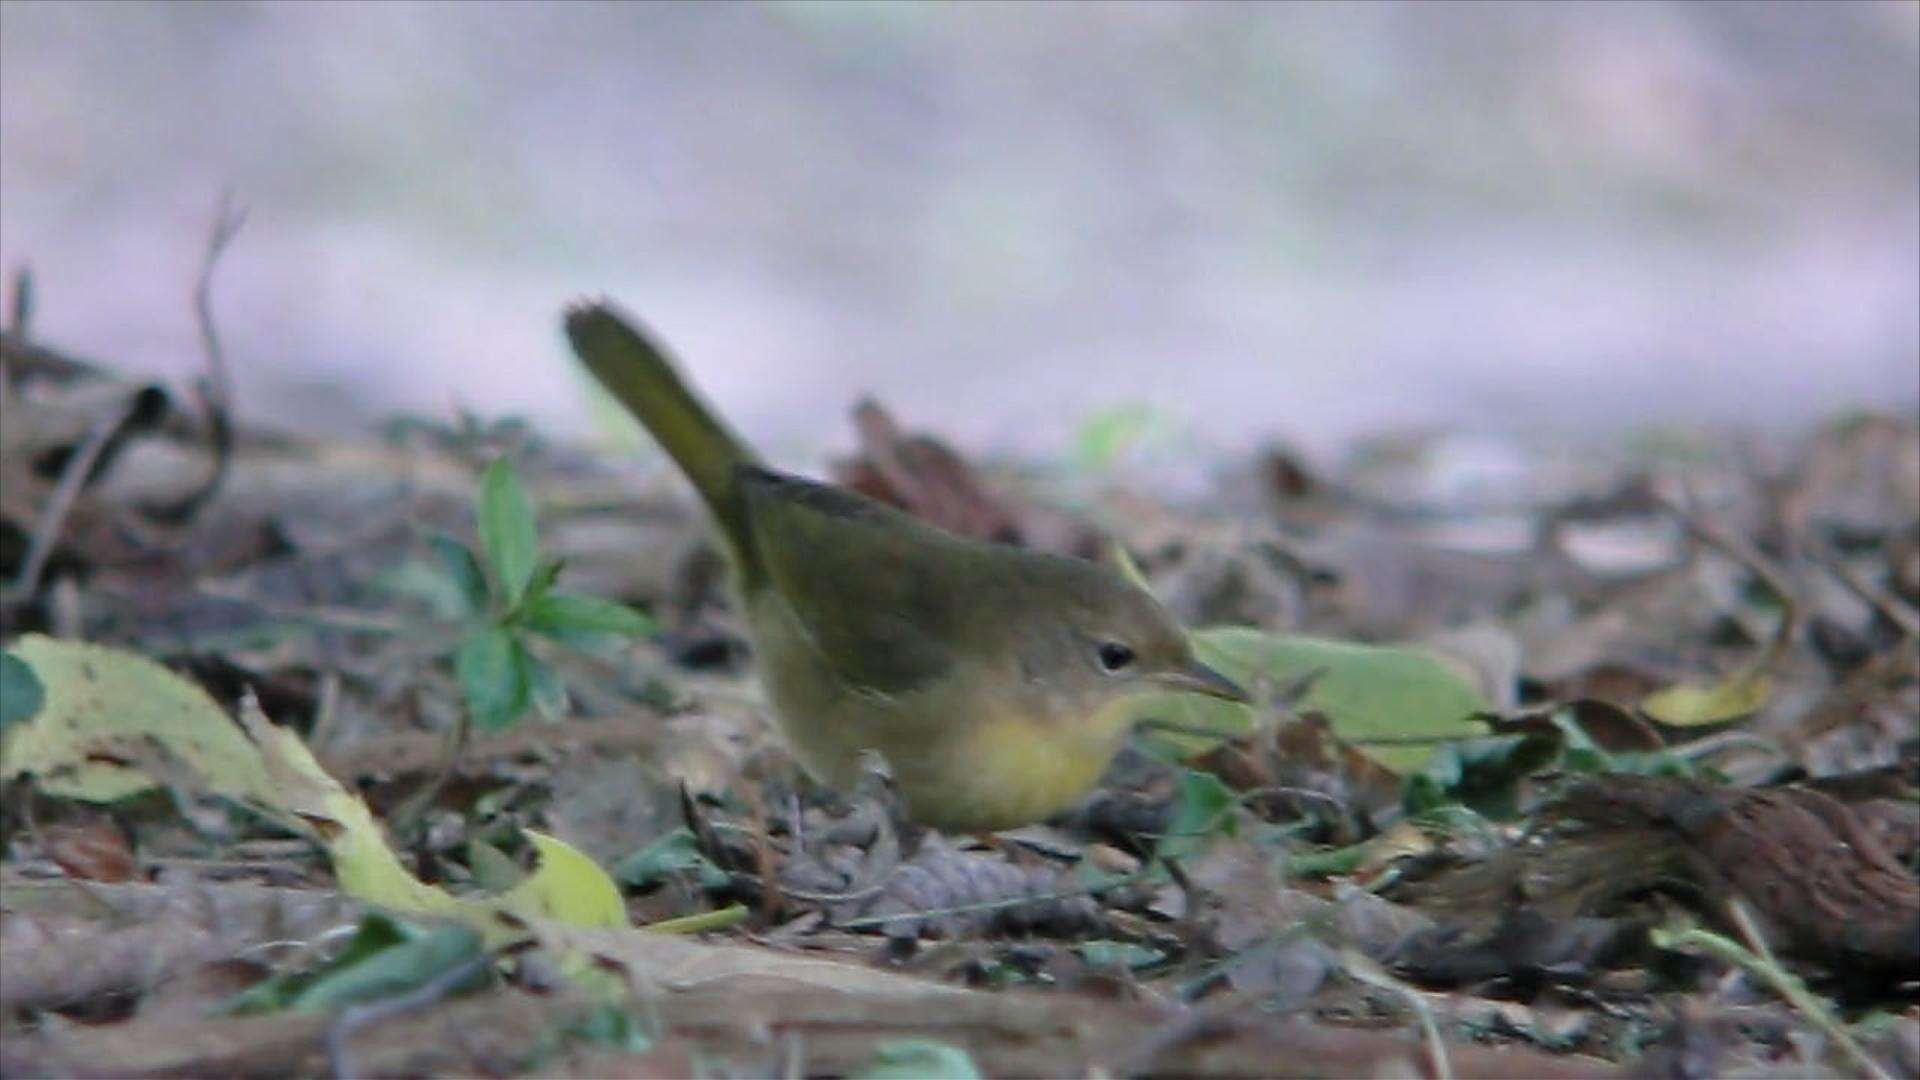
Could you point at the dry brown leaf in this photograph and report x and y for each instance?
(95, 850)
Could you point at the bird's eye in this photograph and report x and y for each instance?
(1114, 656)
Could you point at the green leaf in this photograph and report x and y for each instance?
(507, 530)
(545, 689)
(673, 855)
(492, 870)
(492, 669)
(1580, 753)
(1329, 862)
(918, 1059)
(392, 971)
(376, 934)
(1394, 704)
(1481, 774)
(384, 958)
(566, 886)
(544, 573)
(562, 612)
(1104, 953)
(20, 692)
(1202, 808)
(465, 571)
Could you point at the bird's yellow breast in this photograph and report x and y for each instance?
(1007, 768)
(971, 752)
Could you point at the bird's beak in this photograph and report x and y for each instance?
(1197, 678)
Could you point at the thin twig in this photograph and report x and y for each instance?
(226, 225)
(214, 388)
(1769, 575)
(1726, 740)
(1186, 1025)
(1339, 805)
(1796, 992)
(300, 950)
(996, 905)
(20, 310)
(34, 358)
(731, 915)
(1887, 606)
(809, 897)
(1760, 963)
(46, 534)
(410, 812)
(1372, 974)
(326, 712)
(341, 618)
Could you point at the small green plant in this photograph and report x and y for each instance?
(1203, 807)
(1485, 776)
(508, 594)
(386, 957)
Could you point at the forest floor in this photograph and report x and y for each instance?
(1565, 764)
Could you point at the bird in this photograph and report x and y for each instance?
(995, 683)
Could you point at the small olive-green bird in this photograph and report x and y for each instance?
(996, 683)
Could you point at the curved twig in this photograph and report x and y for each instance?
(214, 389)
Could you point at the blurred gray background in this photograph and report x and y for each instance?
(1010, 222)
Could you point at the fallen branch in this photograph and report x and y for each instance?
(54, 952)
(829, 1031)
(412, 752)
(1815, 873)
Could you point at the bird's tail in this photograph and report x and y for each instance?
(637, 372)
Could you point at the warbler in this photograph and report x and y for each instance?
(996, 683)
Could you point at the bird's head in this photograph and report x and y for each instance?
(1098, 640)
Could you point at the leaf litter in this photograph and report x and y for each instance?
(1612, 773)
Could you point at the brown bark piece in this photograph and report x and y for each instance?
(1820, 877)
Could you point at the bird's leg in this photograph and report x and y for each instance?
(877, 789)
(796, 825)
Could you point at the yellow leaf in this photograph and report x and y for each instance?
(565, 886)
(1694, 705)
(106, 702)
(103, 707)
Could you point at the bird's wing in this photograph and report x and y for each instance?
(865, 581)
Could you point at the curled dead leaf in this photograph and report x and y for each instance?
(95, 850)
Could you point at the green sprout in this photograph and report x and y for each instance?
(508, 593)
